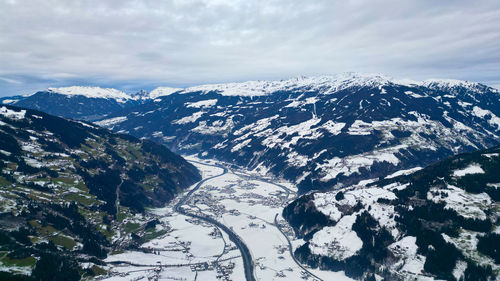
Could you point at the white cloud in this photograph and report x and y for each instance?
(198, 41)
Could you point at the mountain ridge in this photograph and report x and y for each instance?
(258, 87)
(386, 119)
(318, 138)
(71, 192)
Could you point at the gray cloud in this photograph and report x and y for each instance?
(184, 42)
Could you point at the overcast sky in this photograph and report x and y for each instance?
(143, 44)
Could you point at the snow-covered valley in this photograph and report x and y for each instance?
(193, 249)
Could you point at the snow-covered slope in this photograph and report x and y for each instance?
(92, 92)
(162, 91)
(78, 102)
(324, 131)
(439, 223)
(326, 84)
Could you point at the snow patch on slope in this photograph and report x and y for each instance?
(339, 241)
(111, 121)
(481, 113)
(403, 172)
(12, 114)
(202, 104)
(352, 164)
(406, 249)
(469, 170)
(9, 101)
(333, 128)
(466, 204)
(189, 119)
(327, 206)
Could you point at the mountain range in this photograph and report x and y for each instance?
(364, 151)
(318, 132)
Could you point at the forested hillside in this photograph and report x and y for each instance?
(441, 222)
(71, 192)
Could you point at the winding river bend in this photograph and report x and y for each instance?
(245, 253)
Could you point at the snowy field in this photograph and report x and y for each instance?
(193, 249)
(188, 246)
(249, 205)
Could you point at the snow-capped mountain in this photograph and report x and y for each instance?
(93, 92)
(85, 103)
(438, 223)
(76, 102)
(322, 132)
(326, 84)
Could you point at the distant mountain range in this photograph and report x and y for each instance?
(319, 132)
(70, 192)
(84, 103)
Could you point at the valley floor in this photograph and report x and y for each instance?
(244, 205)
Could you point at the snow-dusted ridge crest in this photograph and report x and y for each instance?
(324, 83)
(163, 91)
(92, 92)
(327, 84)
